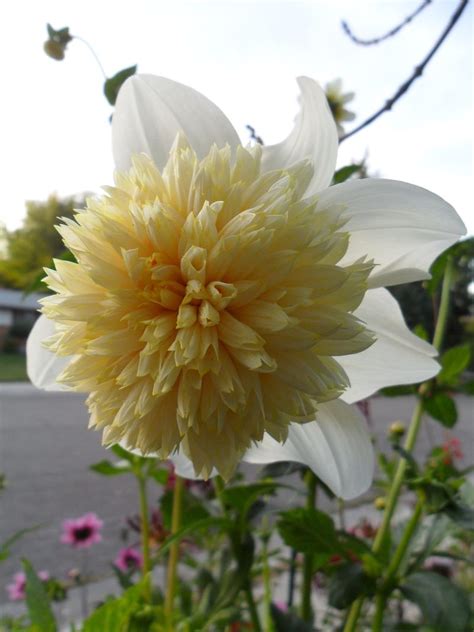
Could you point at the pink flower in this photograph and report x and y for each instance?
(127, 559)
(82, 532)
(452, 449)
(16, 590)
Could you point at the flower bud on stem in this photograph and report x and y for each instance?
(399, 476)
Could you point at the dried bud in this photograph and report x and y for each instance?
(397, 429)
(55, 50)
(380, 503)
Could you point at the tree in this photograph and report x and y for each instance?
(32, 247)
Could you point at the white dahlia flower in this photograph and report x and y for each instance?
(226, 303)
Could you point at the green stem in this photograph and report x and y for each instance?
(252, 607)
(267, 586)
(444, 305)
(174, 549)
(377, 623)
(145, 534)
(412, 434)
(306, 609)
(94, 54)
(247, 587)
(404, 542)
(381, 598)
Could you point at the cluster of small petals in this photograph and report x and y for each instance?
(337, 101)
(206, 306)
(17, 589)
(82, 532)
(128, 559)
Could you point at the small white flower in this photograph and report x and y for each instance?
(400, 227)
(337, 103)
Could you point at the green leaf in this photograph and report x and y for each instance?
(113, 84)
(442, 408)
(288, 622)
(468, 387)
(241, 497)
(194, 511)
(5, 546)
(106, 468)
(159, 475)
(37, 601)
(443, 604)
(281, 468)
(345, 173)
(206, 523)
(126, 614)
(397, 391)
(461, 514)
(308, 531)
(453, 363)
(347, 583)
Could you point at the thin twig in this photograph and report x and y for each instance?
(254, 136)
(394, 31)
(418, 71)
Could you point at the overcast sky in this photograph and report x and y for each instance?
(244, 55)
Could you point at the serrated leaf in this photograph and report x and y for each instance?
(443, 604)
(442, 408)
(113, 84)
(453, 363)
(308, 531)
(37, 601)
(347, 583)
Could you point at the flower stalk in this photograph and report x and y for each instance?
(410, 441)
(306, 608)
(145, 534)
(174, 549)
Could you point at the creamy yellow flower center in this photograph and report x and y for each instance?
(206, 306)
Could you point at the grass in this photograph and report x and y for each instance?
(13, 367)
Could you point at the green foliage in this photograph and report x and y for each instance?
(288, 621)
(308, 531)
(126, 614)
(5, 546)
(347, 583)
(347, 172)
(33, 246)
(443, 604)
(37, 602)
(442, 408)
(453, 362)
(113, 84)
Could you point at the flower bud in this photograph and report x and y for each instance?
(380, 503)
(397, 429)
(53, 49)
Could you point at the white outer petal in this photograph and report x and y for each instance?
(401, 226)
(149, 113)
(396, 357)
(314, 136)
(43, 366)
(336, 447)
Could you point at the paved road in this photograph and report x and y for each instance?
(45, 451)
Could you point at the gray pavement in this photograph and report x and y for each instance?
(45, 452)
